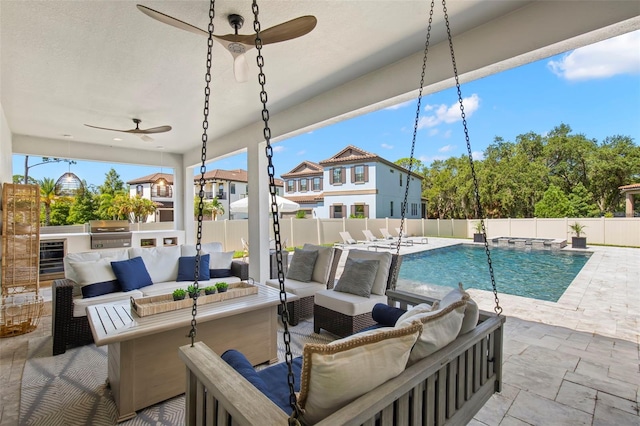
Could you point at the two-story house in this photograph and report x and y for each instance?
(157, 187)
(354, 183)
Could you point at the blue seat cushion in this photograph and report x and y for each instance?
(132, 274)
(386, 315)
(271, 381)
(187, 268)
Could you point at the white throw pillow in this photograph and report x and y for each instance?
(380, 284)
(471, 314)
(190, 249)
(161, 262)
(323, 262)
(95, 277)
(70, 272)
(221, 260)
(335, 374)
(418, 309)
(440, 328)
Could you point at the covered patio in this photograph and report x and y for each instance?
(104, 63)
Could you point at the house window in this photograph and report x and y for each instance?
(139, 190)
(391, 209)
(358, 174)
(359, 211)
(414, 209)
(337, 175)
(232, 188)
(163, 191)
(316, 184)
(400, 179)
(337, 212)
(303, 185)
(290, 185)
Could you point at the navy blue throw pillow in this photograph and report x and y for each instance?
(98, 289)
(187, 268)
(386, 315)
(132, 274)
(219, 273)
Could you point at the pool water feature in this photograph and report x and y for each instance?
(537, 274)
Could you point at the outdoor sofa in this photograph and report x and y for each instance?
(91, 279)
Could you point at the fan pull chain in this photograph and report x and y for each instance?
(479, 212)
(203, 169)
(403, 208)
(276, 220)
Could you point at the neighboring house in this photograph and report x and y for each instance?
(354, 183)
(225, 185)
(147, 187)
(304, 185)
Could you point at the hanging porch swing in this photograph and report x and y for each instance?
(449, 386)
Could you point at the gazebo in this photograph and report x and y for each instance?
(629, 191)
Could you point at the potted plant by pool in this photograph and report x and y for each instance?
(179, 294)
(210, 290)
(192, 291)
(222, 287)
(578, 241)
(478, 236)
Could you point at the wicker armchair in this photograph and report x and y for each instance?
(303, 307)
(70, 331)
(342, 324)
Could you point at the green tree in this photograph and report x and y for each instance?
(567, 157)
(60, 211)
(112, 183)
(136, 209)
(20, 179)
(47, 198)
(553, 204)
(580, 202)
(84, 207)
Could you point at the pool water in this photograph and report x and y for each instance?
(537, 274)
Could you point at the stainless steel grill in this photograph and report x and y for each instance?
(109, 234)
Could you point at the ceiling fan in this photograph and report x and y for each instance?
(238, 44)
(138, 131)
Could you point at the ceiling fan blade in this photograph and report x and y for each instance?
(286, 31)
(159, 129)
(241, 68)
(105, 128)
(170, 20)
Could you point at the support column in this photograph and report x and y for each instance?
(629, 205)
(258, 212)
(187, 207)
(180, 208)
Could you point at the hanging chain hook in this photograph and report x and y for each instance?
(203, 170)
(498, 308)
(284, 316)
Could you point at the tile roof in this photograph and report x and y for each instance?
(152, 178)
(306, 199)
(349, 154)
(237, 175)
(632, 186)
(306, 168)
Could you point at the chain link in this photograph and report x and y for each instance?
(203, 170)
(276, 220)
(479, 212)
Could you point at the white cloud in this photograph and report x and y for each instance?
(449, 114)
(477, 155)
(618, 55)
(400, 105)
(299, 153)
(447, 134)
(447, 148)
(433, 132)
(278, 148)
(386, 146)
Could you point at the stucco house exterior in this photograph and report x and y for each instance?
(354, 183)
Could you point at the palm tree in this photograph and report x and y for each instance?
(47, 197)
(217, 209)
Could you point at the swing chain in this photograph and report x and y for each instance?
(293, 419)
(203, 169)
(403, 208)
(479, 213)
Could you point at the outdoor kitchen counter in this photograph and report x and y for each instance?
(77, 242)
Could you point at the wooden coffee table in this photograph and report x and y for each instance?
(143, 366)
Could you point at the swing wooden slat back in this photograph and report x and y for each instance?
(448, 387)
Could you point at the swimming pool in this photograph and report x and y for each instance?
(537, 274)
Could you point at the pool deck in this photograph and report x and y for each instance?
(571, 362)
(574, 362)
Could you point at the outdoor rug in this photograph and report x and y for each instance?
(70, 389)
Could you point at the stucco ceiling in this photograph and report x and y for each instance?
(67, 63)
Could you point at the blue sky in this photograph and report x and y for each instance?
(594, 89)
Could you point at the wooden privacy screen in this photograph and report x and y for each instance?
(20, 238)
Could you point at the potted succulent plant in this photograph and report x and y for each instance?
(478, 236)
(222, 287)
(578, 241)
(192, 291)
(210, 290)
(179, 294)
